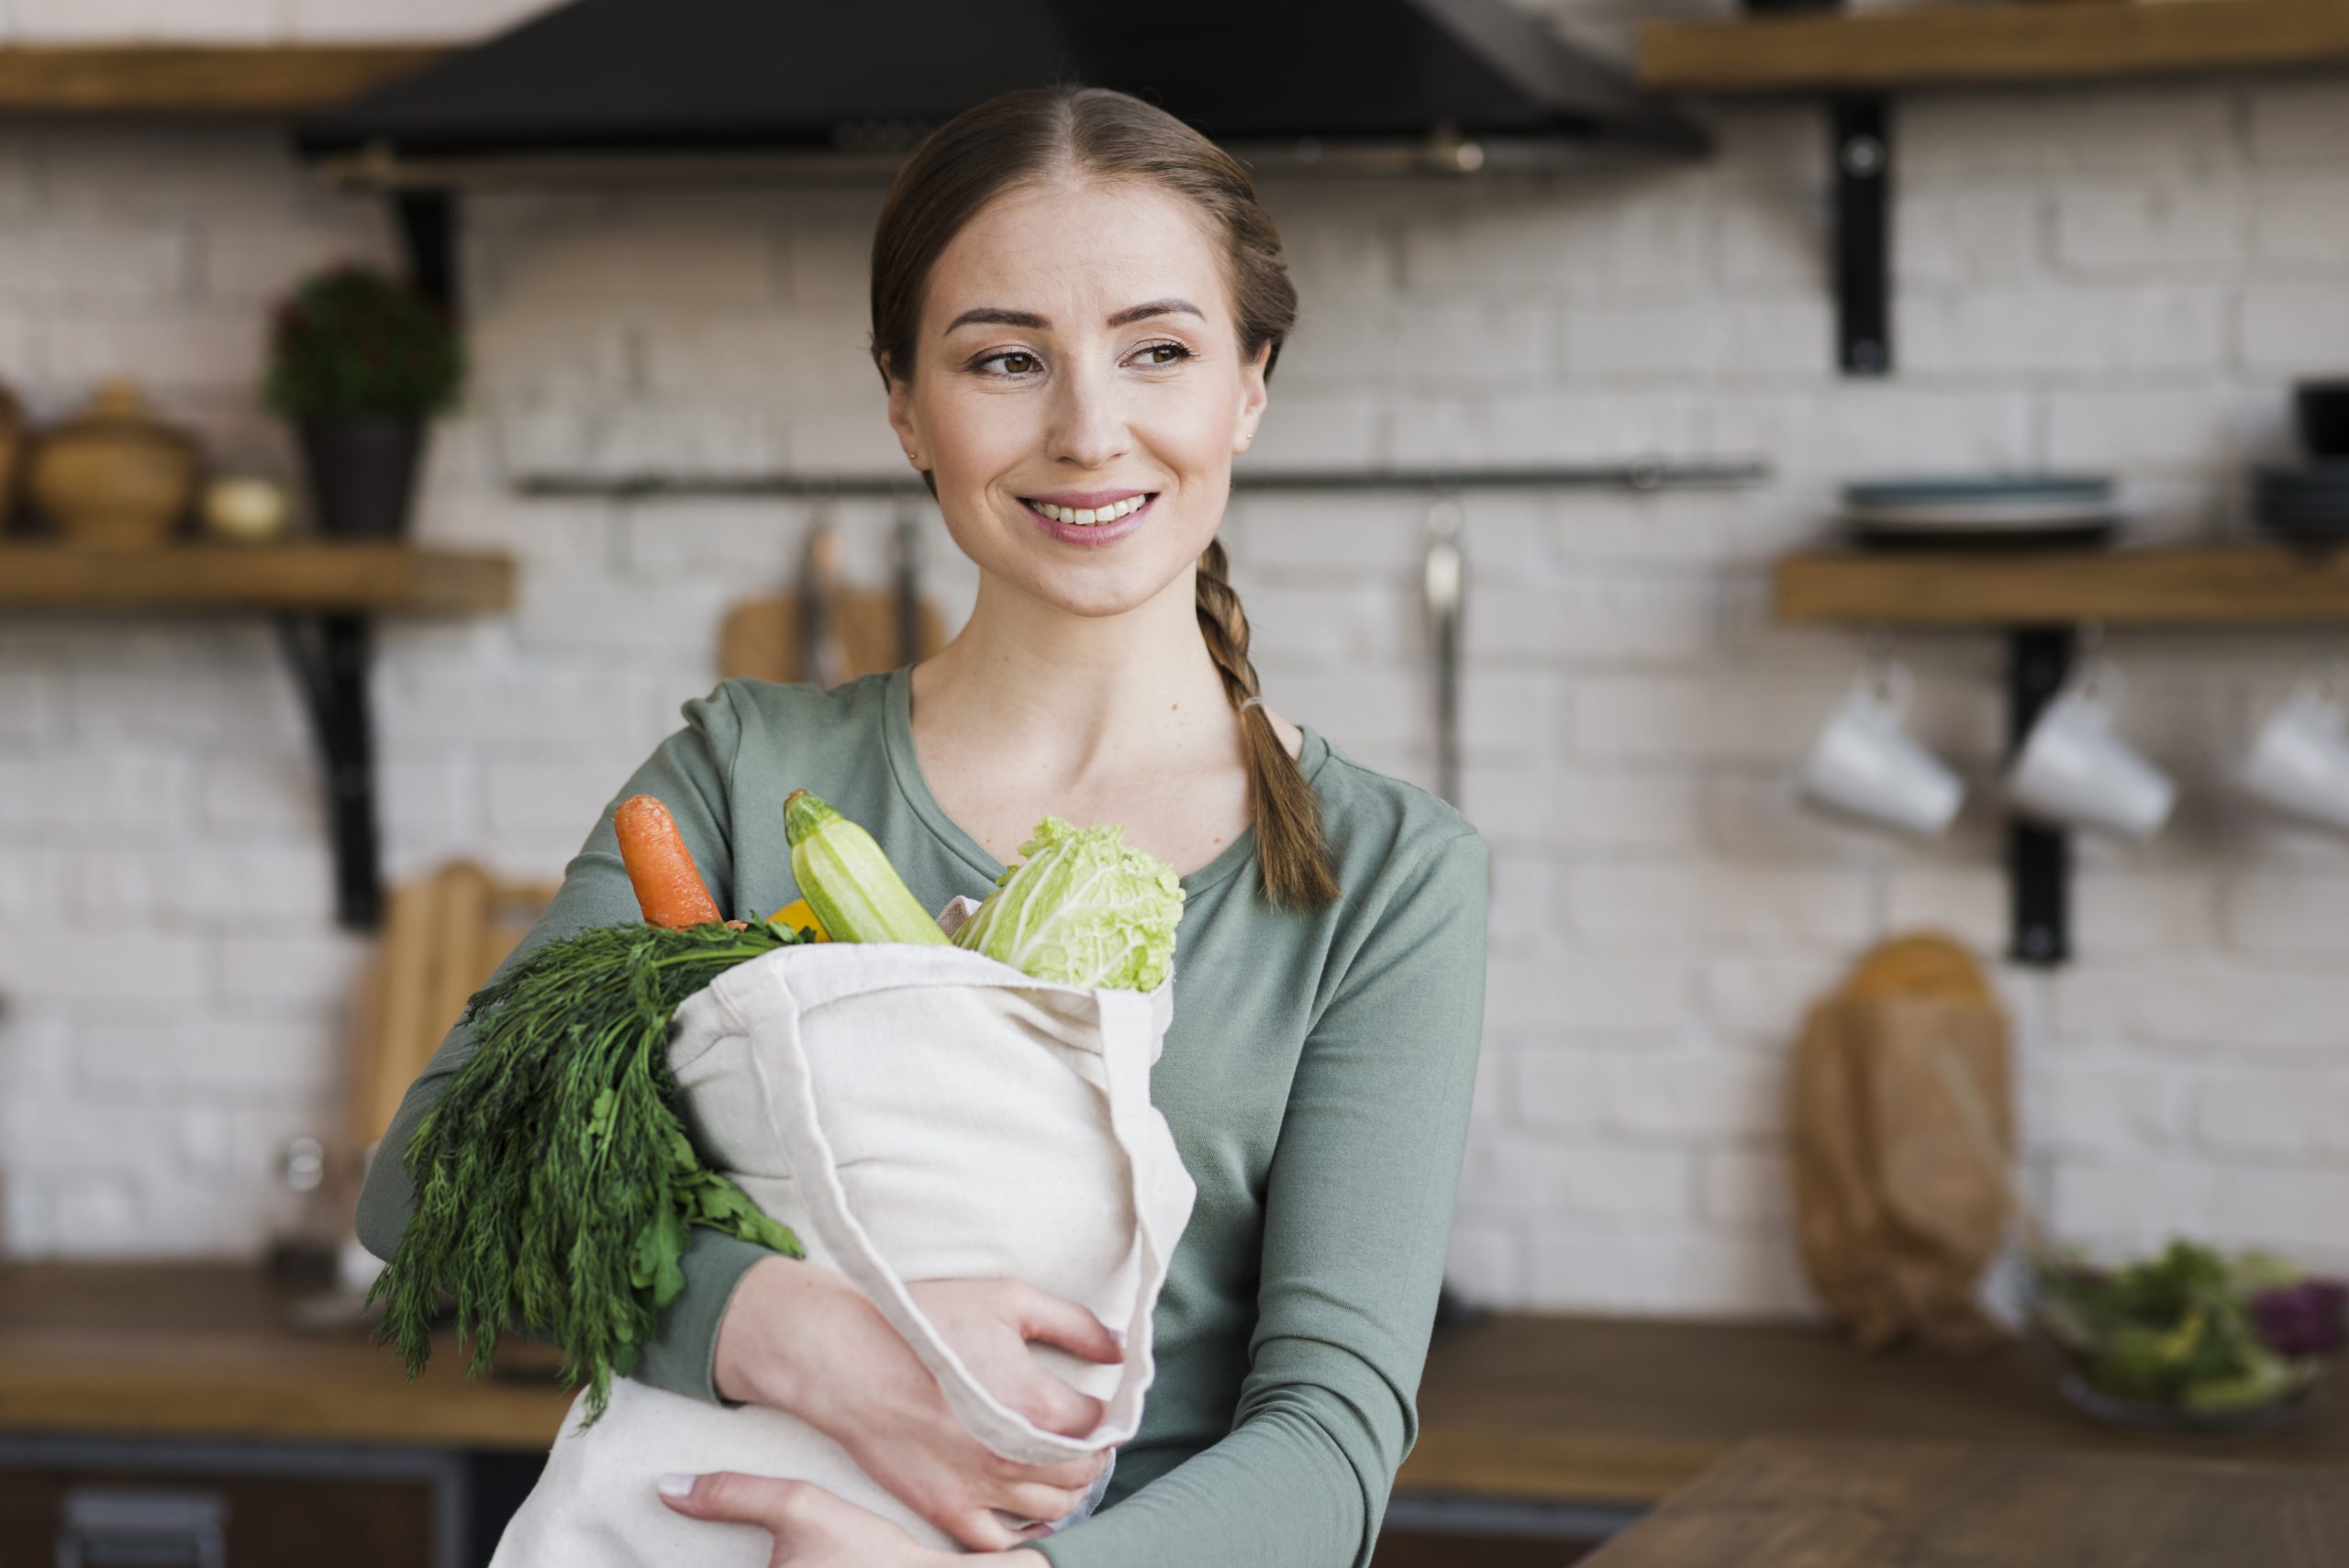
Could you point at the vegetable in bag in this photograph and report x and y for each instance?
(1083, 908)
(555, 1181)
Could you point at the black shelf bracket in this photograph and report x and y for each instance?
(428, 225)
(1861, 146)
(329, 655)
(2039, 860)
(329, 652)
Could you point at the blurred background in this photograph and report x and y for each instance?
(1797, 427)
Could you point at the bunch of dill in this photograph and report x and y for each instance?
(554, 1180)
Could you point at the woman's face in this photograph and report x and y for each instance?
(1078, 358)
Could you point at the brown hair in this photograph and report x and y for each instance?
(1026, 139)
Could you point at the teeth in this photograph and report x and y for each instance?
(1087, 517)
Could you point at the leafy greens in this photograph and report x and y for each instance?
(555, 1183)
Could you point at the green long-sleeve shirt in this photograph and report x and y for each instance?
(1317, 1078)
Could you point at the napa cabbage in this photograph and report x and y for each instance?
(1084, 907)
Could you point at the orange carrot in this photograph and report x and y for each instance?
(668, 890)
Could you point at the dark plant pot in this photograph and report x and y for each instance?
(363, 471)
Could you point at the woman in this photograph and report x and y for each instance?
(1076, 306)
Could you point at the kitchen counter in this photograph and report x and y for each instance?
(205, 1351)
(1517, 1408)
(1854, 1505)
(1625, 1410)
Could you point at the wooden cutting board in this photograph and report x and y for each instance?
(443, 934)
(761, 637)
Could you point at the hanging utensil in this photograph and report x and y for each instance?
(823, 657)
(1443, 574)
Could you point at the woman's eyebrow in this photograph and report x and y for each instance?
(997, 316)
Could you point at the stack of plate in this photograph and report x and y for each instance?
(2003, 513)
(2308, 504)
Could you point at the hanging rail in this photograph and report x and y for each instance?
(1636, 474)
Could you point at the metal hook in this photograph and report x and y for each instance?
(823, 492)
(1444, 519)
(2093, 670)
(1882, 667)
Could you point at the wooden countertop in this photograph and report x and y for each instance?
(1854, 1505)
(1625, 1410)
(1526, 1407)
(204, 1350)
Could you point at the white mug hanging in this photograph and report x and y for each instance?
(2298, 763)
(2074, 770)
(1866, 764)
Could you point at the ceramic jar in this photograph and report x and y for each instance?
(114, 476)
(244, 509)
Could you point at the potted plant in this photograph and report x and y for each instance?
(359, 361)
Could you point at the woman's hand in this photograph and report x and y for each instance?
(811, 1527)
(802, 1338)
(990, 1323)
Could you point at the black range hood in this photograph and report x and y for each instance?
(613, 88)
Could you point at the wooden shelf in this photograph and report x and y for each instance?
(339, 578)
(2228, 587)
(1856, 60)
(1988, 43)
(171, 80)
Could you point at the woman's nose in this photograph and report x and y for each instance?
(1088, 423)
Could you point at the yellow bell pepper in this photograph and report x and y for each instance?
(799, 916)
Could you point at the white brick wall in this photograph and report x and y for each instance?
(2125, 276)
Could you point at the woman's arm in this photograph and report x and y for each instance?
(794, 1336)
(1357, 1216)
(689, 772)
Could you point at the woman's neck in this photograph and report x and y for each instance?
(1076, 696)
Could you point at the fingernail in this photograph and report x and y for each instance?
(1118, 1334)
(676, 1486)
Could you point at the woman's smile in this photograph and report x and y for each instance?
(1102, 521)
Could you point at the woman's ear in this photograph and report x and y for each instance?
(1252, 398)
(901, 420)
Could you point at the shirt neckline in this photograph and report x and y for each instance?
(905, 767)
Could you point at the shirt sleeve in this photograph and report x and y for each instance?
(689, 772)
(1357, 1215)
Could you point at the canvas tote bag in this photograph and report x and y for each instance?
(911, 1113)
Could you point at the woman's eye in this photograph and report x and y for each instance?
(1020, 363)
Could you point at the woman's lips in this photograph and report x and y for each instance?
(1092, 533)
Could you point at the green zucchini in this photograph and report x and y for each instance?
(846, 879)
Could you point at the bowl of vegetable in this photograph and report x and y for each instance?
(2191, 1340)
